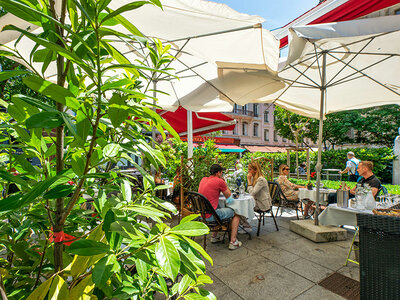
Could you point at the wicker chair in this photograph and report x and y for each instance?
(274, 192)
(284, 202)
(201, 205)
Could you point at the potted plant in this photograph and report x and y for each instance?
(309, 185)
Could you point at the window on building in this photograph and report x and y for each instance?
(397, 12)
(245, 108)
(235, 130)
(255, 129)
(244, 128)
(266, 116)
(266, 135)
(275, 136)
(255, 110)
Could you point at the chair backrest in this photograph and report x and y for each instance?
(280, 192)
(267, 167)
(274, 190)
(383, 190)
(201, 205)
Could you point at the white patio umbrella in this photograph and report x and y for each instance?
(201, 34)
(340, 66)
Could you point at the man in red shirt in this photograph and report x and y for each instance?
(211, 187)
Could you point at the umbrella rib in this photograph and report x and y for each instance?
(349, 61)
(342, 80)
(319, 67)
(293, 81)
(365, 53)
(374, 80)
(215, 120)
(207, 81)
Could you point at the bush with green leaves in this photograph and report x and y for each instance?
(334, 159)
(55, 244)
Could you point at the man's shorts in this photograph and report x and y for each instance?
(223, 213)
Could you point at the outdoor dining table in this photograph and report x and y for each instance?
(312, 194)
(243, 206)
(335, 215)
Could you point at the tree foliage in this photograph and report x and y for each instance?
(372, 126)
(56, 242)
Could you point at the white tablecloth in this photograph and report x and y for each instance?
(334, 215)
(312, 194)
(243, 206)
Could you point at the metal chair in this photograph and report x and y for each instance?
(284, 202)
(201, 205)
(273, 190)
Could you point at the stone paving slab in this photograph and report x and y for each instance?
(277, 265)
(259, 278)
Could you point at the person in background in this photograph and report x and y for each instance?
(365, 170)
(211, 187)
(302, 168)
(290, 190)
(257, 186)
(351, 167)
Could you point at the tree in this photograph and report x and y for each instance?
(292, 126)
(95, 118)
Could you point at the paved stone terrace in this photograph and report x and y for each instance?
(277, 265)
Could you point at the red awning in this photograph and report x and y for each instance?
(203, 122)
(350, 10)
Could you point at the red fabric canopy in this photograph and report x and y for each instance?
(203, 122)
(350, 10)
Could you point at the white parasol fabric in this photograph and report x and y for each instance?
(201, 34)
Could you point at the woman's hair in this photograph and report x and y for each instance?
(256, 166)
(281, 167)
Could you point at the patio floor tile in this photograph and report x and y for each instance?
(279, 256)
(309, 270)
(316, 293)
(259, 278)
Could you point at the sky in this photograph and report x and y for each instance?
(277, 13)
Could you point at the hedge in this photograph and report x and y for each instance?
(335, 159)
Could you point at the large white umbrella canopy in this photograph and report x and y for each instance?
(201, 34)
(340, 66)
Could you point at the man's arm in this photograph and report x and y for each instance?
(227, 193)
(344, 171)
(374, 191)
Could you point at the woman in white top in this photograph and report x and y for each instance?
(258, 187)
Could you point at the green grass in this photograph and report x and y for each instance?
(330, 184)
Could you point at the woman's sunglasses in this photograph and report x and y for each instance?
(286, 169)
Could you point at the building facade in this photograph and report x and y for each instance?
(255, 125)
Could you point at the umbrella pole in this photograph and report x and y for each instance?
(190, 133)
(321, 127)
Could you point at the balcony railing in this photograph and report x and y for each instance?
(241, 111)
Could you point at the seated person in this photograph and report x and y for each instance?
(365, 170)
(290, 190)
(302, 168)
(258, 187)
(211, 187)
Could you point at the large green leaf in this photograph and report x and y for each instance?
(83, 125)
(53, 91)
(59, 289)
(55, 47)
(59, 191)
(41, 291)
(21, 10)
(168, 258)
(88, 248)
(111, 150)
(16, 201)
(11, 178)
(18, 98)
(199, 249)
(125, 8)
(45, 119)
(83, 289)
(8, 74)
(116, 113)
(191, 229)
(104, 269)
(128, 25)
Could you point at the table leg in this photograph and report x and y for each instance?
(351, 249)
